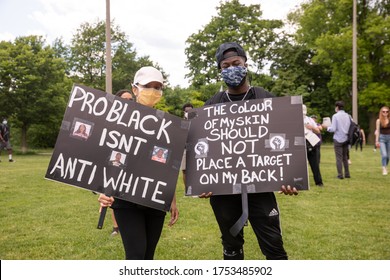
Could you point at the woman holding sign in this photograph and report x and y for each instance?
(140, 226)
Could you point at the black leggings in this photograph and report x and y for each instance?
(313, 156)
(140, 228)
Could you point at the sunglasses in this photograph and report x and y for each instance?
(385, 111)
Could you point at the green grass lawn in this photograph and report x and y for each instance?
(345, 220)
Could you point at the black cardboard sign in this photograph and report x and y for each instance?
(257, 144)
(118, 147)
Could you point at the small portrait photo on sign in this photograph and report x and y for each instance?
(160, 154)
(81, 129)
(117, 159)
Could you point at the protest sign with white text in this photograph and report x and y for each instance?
(118, 147)
(256, 144)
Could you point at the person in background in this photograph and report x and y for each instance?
(312, 152)
(314, 117)
(186, 107)
(140, 227)
(382, 138)
(231, 61)
(5, 142)
(125, 94)
(361, 141)
(340, 126)
(115, 228)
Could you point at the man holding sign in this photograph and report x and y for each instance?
(233, 210)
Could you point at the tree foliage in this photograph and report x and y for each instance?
(326, 28)
(87, 57)
(234, 22)
(35, 79)
(87, 63)
(33, 85)
(314, 61)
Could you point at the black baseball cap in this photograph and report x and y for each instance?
(230, 46)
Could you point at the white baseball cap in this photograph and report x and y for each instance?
(148, 74)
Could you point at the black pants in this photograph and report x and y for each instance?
(264, 219)
(313, 157)
(342, 155)
(359, 142)
(140, 228)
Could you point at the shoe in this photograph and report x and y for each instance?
(349, 161)
(115, 231)
(384, 172)
(347, 176)
(11, 160)
(340, 177)
(320, 184)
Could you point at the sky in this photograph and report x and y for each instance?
(157, 28)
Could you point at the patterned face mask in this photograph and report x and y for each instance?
(234, 75)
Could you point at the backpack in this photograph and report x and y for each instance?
(353, 133)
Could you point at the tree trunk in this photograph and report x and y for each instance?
(24, 139)
(370, 136)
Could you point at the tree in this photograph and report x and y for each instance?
(33, 85)
(234, 22)
(87, 64)
(326, 28)
(295, 74)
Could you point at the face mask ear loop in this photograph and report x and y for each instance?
(135, 95)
